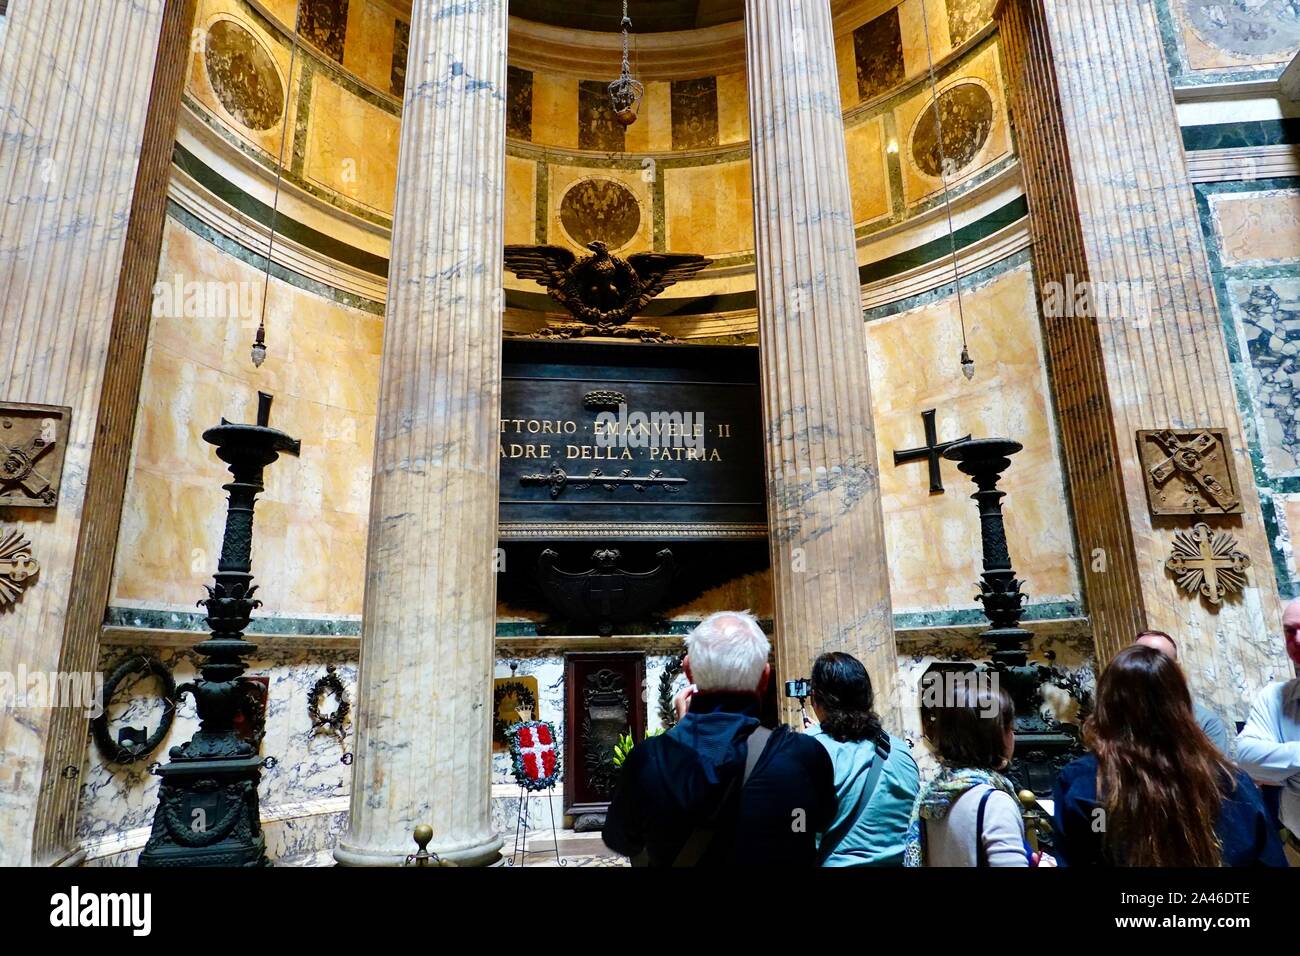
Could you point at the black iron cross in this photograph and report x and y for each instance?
(933, 451)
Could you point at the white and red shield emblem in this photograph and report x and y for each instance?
(535, 756)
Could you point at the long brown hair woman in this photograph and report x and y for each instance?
(1154, 791)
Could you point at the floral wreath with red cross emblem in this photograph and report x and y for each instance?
(534, 754)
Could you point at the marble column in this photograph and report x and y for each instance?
(75, 83)
(829, 569)
(1112, 203)
(424, 723)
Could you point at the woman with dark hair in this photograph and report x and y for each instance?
(876, 778)
(1155, 791)
(969, 814)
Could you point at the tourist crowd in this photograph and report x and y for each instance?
(1157, 786)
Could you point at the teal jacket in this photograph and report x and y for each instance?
(878, 836)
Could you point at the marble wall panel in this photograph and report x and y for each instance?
(973, 139)
(625, 183)
(521, 200)
(324, 24)
(117, 798)
(967, 17)
(1220, 35)
(878, 55)
(597, 128)
(519, 103)
(695, 113)
(933, 540)
(709, 209)
(868, 170)
(369, 45)
(555, 110)
(653, 130)
(401, 49)
(322, 368)
(1267, 312)
(352, 146)
(1258, 227)
(733, 108)
(239, 73)
(920, 48)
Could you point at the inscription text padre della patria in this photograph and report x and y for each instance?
(618, 442)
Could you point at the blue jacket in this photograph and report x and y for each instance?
(674, 784)
(878, 835)
(1248, 837)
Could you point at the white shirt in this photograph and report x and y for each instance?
(1268, 747)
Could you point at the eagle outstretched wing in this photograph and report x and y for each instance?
(548, 265)
(656, 271)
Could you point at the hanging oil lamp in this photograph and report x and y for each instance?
(625, 93)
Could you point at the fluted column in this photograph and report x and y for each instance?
(423, 737)
(75, 82)
(1112, 203)
(827, 534)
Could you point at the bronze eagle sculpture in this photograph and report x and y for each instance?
(602, 289)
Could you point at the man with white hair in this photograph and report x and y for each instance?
(718, 789)
(1268, 747)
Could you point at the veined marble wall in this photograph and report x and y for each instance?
(1252, 229)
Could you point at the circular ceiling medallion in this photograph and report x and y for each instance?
(965, 113)
(1250, 29)
(243, 76)
(600, 209)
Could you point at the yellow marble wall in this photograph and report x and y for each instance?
(983, 70)
(199, 88)
(323, 370)
(351, 146)
(866, 144)
(710, 207)
(368, 49)
(933, 540)
(1258, 227)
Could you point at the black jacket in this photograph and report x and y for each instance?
(675, 783)
(1244, 829)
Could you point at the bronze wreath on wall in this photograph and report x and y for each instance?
(332, 722)
(133, 743)
(526, 701)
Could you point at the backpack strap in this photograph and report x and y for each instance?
(981, 852)
(832, 838)
(701, 837)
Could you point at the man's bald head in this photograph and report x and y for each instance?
(1291, 629)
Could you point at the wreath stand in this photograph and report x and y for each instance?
(528, 763)
(521, 828)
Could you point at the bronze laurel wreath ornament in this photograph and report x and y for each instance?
(331, 723)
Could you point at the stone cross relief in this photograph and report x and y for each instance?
(32, 444)
(1188, 472)
(1208, 562)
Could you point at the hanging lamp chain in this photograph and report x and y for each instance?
(967, 364)
(259, 341)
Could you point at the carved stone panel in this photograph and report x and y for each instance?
(33, 439)
(1188, 472)
(604, 698)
